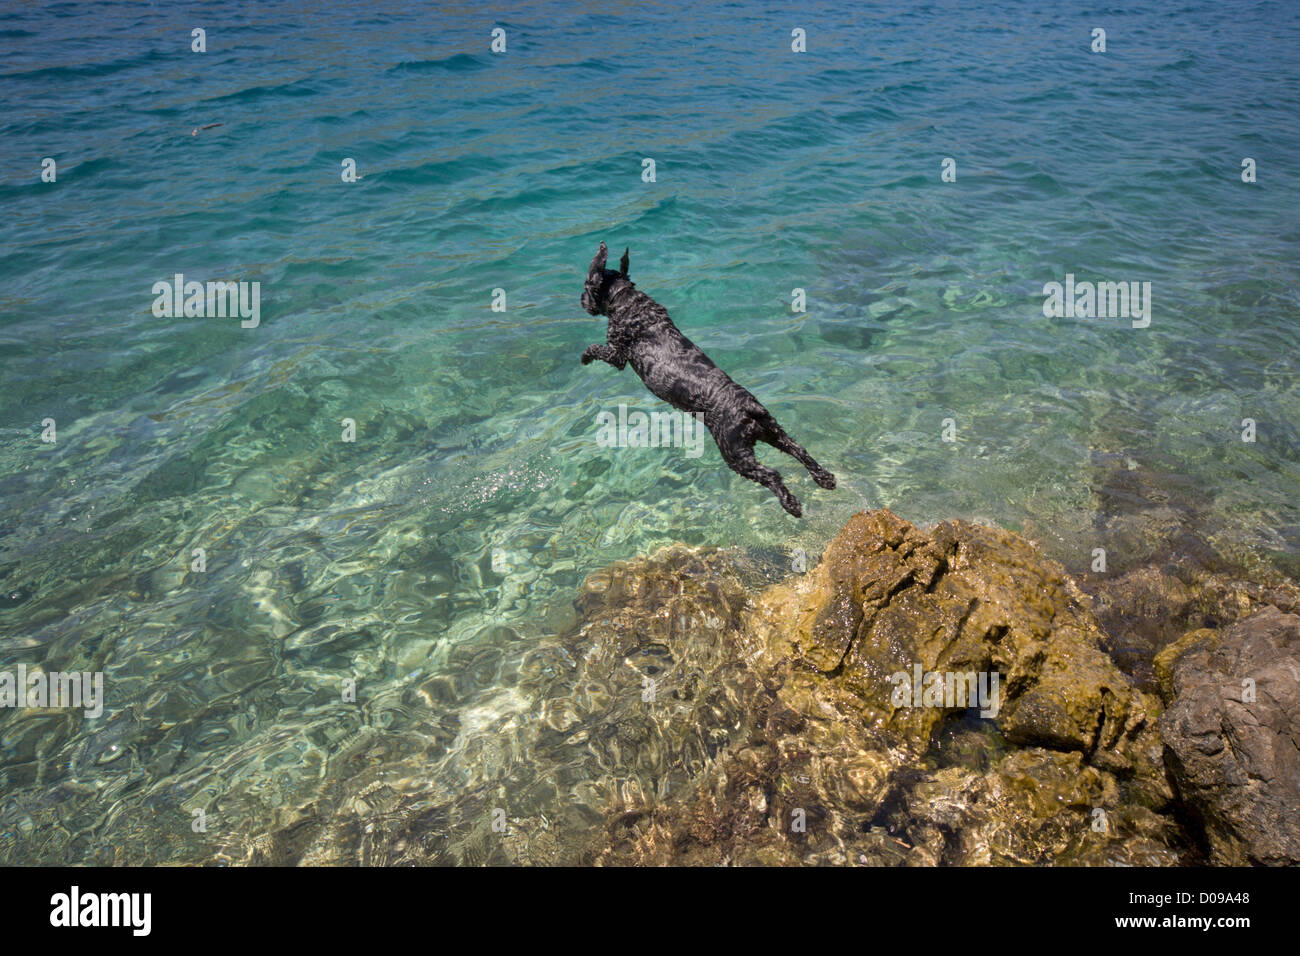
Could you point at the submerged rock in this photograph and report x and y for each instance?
(1035, 806)
(1171, 563)
(1145, 611)
(1233, 734)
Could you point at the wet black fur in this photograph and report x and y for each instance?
(676, 369)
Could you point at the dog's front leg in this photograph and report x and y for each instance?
(606, 353)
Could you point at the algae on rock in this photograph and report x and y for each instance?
(832, 751)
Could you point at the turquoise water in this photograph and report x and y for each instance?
(448, 539)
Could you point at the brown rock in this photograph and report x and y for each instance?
(1234, 742)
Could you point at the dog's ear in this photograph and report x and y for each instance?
(622, 265)
(598, 263)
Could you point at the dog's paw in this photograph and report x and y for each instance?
(586, 358)
(791, 504)
(825, 479)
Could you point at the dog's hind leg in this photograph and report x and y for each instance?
(738, 453)
(778, 439)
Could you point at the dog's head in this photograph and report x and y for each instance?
(599, 279)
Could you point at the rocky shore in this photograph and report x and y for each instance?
(1080, 765)
(692, 712)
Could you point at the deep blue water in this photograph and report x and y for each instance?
(475, 496)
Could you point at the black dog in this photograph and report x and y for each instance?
(678, 371)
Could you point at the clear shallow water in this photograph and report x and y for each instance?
(374, 560)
